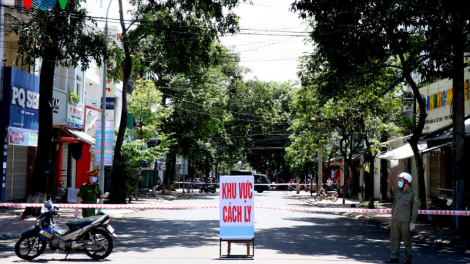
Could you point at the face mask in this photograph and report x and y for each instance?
(400, 184)
(94, 179)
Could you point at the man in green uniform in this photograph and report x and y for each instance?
(404, 213)
(89, 193)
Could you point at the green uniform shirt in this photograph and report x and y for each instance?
(89, 193)
(405, 206)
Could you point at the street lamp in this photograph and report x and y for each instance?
(103, 104)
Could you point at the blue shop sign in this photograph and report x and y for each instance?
(20, 106)
(110, 102)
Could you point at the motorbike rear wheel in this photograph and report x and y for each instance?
(335, 198)
(104, 238)
(25, 245)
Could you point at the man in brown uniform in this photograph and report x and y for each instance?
(404, 213)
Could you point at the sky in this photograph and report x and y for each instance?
(271, 40)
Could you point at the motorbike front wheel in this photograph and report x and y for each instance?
(104, 239)
(29, 247)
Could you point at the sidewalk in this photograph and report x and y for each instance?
(11, 224)
(425, 231)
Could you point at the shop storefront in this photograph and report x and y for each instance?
(20, 121)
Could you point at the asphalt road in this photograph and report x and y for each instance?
(191, 236)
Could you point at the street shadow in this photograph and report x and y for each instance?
(308, 234)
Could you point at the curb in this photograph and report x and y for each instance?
(11, 235)
(16, 233)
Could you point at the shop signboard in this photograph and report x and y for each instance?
(75, 115)
(438, 97)
(22, 137)
(237, 210)
(59, 104)
(22, 108)
(110, 103)
(108, 144)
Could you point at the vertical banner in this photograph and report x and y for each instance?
(237, 210)
(108, 144)
(4, 166)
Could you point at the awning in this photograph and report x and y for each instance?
(354, 156)
(396, 139)
(436, 147)
(403, 152)
(82, 136)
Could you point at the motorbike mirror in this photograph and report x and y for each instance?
(48, 204)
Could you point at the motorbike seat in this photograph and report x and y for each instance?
(75, 224)
(330, 192)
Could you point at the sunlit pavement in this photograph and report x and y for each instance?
(192, 236)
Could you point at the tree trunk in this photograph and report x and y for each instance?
(118, 191)
(458, 182)
(154, 182)
(320, 169)
(370, 182)
(38, 192)
(346, 176)
(170, 170)
(413, 140)
(383, 178)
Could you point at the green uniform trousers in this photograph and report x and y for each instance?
(400, 230)
(86, 212)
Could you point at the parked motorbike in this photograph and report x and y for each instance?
(211, 188)
(292, 187)
(329, 195)
(207, 188)
(439, 204)
(91, 235)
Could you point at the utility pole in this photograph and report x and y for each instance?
(103, 106)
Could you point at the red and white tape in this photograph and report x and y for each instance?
(178, 207)
(272, 184)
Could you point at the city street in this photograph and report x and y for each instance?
(191, 236)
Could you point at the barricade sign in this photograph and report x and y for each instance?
(237, 210)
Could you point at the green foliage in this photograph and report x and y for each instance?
(144, 105)
(176, 38)
(61, 36)
(74, 98)
(134, 155)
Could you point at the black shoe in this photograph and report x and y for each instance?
(407, 261)
(392, 260)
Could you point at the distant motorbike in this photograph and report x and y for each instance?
(329, 195)
(91, 235)
(293, 187)
(210, 187)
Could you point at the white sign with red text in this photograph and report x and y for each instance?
(237, 207)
